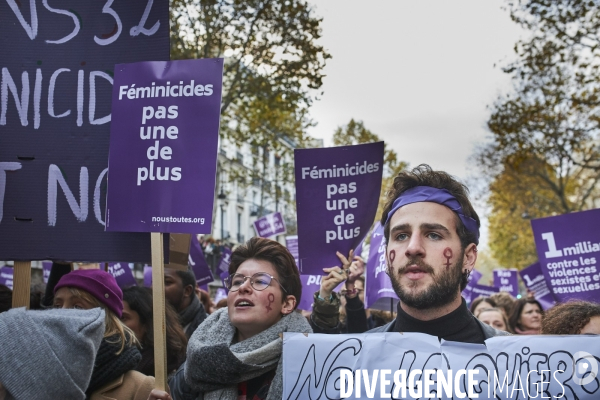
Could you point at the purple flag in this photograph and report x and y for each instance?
(310, 285)
(163, 146)
(147, 276)
(122, 274)
(474, 277)
(534, 280)
(220, 294)
(507, 281)
(291, 242)
(378, 286)
(568, 248)
(223, 276)
(46, 268)
(225, 259)
(269, 225)
(336, 197)
(198, 263)
(483, 290)
(6, 276)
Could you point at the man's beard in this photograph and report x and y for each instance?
(443, 290)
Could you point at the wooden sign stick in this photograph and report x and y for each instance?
(21, 284)
(158, 303)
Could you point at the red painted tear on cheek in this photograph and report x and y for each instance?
(271, 298)
(448, 256)
(392, 256)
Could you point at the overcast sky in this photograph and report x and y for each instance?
(418, 73)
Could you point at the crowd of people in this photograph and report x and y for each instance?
(95, 339)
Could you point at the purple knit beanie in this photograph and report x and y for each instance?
(99, 284)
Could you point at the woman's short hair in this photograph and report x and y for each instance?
(517, 309)
(258, 248)
(479, 300)
(569, 318)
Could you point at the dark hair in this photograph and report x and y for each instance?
(139, 300)
(205, 300)
(187, 278)
(517, 309)
(423, 175)
(274, 252)
(479, 300)
(569, 318)
(36, 293)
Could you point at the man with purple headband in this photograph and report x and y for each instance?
(432, 232)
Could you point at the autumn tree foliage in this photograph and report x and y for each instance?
(544, 155)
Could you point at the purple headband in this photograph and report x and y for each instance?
(434, 195)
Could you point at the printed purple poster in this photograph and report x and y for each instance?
(56, 89)
(378, 286)
(6, 276)
(225, 259)
(122, 274)
(291, 242)
(474, 277)
(568, 248)
(506, 280)
(220, 294)
(483, 290)
(310, 285)
(198, 263)
(336, 197)
(223, 275)
(269, 225)
(46, 268)
(147, 276)
(534, 281)
(163, 146)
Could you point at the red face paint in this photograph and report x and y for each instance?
(392, 256)
(448, 255)
(271, 298)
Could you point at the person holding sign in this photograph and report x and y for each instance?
(236, 352)
(113, 375)
(432, 232)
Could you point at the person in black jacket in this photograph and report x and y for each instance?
(180, 292)
(431, 232)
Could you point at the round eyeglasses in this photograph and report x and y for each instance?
(258, 281)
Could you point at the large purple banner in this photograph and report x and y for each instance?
(507, 280)
(122, 274)
(55, 113)
(337, 190)
(163, 146)
(534, 281)
(270, 225)
(198, 263)
(568, 248)
(379, 292)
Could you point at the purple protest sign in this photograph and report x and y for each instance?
(163, 146)
(6, 276)
(198, 263)
(147, 276)
(122, 274)
(378, 286)
(335, 200)
(534, 281)
(483, 290)
(225, 259)
(46, 268)
(507, 280)
(220, 294)
(291, 242)
(474, 277)
(223, 276)
(310, 285)
(269, 225)
(568, 248)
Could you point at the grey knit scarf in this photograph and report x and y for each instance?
(215, 367)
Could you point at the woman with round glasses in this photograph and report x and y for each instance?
(236, 352)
